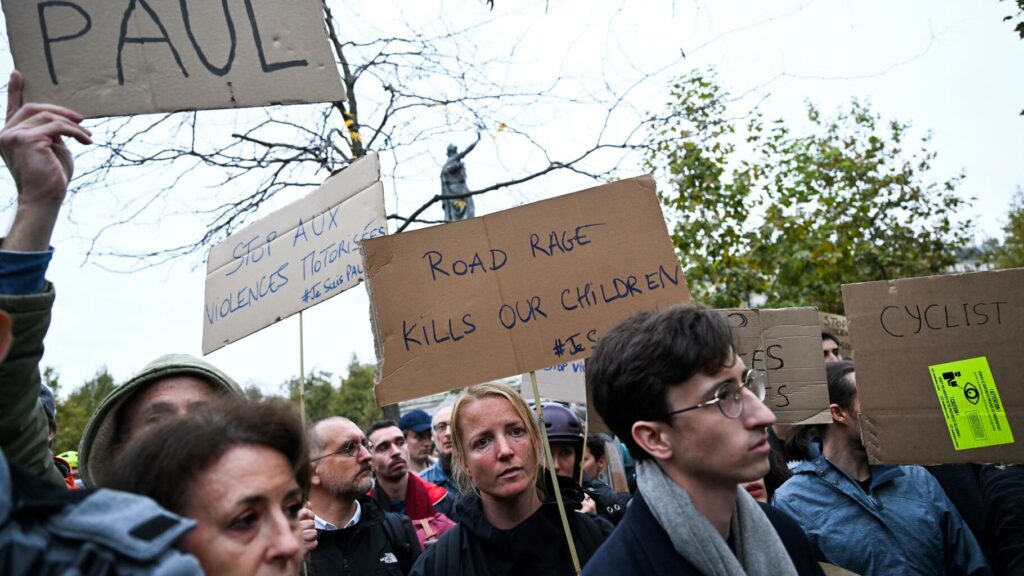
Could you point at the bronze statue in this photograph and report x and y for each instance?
(453, 182)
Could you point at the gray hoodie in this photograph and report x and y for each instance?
(97, 451)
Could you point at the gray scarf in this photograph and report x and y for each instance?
(759, 551)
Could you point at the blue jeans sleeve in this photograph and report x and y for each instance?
(23, 272)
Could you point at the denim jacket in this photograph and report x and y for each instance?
(904, 524)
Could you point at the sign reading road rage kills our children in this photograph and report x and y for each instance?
(938, 367)
(121, 57)
(294, 258)
(518, 290)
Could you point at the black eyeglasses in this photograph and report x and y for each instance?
(349, 449)
(729, 396)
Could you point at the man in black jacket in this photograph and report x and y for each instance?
(670, 384)
(354, 534)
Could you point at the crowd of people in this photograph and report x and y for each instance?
(179, 474)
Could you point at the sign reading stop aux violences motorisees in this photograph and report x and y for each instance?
(518, 290)
(121, 57)
(295, 258)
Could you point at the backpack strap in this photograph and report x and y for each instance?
(399, 538)
(447, 553)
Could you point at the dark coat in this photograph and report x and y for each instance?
(641, 546)
(611, 505)
(369, 547)
(535, 547)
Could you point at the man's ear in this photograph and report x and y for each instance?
(839, 415)
(652, 438)
(5, 335)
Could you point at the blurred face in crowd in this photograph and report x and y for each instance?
(443, 432)
(160, 400)
(419, 444)
(246, 506)
(390, 453)
(708, 449)
(564, 456)
(592, 467)
(830, 349)
(500, 458)
(757, 490)
(343, 475)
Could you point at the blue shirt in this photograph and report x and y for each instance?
(435, 475)
(904, 523)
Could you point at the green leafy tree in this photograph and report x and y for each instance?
(319, 397)
(353, 398)
(73, 413)
(1010, 252)
(798, 214)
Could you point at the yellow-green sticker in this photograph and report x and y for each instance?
(970, 402)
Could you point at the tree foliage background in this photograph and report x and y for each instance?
(350, 396)
(1010, 252)
(806, 207)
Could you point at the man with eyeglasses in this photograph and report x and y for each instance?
(670, 384)
(397, 489)
(354, 534)
(440, 472)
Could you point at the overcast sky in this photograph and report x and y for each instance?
(948, 67)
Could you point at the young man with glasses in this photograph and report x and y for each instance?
(670, 385)
(354, 534)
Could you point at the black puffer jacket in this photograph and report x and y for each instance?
(375, 545)
(611, 505)
(536, 546)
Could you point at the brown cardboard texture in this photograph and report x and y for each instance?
(906, 332)
(786, 344)
(121, 57)
(295, 258)
(518, 290)
(563, 382)
(838, 326)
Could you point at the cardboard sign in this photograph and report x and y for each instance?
(294, 258)
(120, 57)
(517, 290)
(565, 382)
(786, 344)
(938, 367)
(838, 326)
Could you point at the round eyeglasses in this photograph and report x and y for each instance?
(729, 396)
(349, 449)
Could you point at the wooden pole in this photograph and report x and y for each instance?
(554, 477)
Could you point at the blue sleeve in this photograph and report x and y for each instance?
(23, 273)
(963, 554)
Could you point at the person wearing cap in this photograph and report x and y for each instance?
(415, 424)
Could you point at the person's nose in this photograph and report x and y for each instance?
(284, 534)
(756, 413)
(504, 447)
(363, 454)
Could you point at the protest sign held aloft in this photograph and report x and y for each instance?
(786, 344)
(294, 258)
(938, 367)
(838, 326)
(565, 382)
(517, 290)
(121, 57)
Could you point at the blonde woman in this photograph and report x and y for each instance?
(507, 523)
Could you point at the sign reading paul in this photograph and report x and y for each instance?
(121, 57)
(517, 290)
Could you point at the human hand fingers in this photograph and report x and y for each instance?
(14, 93)
(32, 110)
